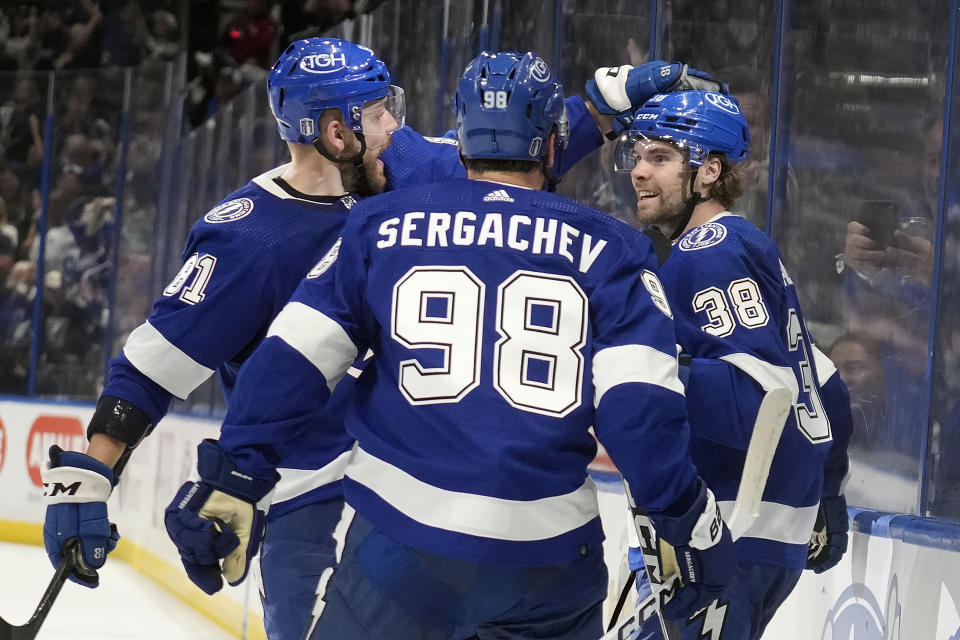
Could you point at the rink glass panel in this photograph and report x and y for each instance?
(941, 491)
(859, 86)
(601, 33)
(80, 215)
(733, 42)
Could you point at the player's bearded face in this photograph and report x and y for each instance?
(661, 180)
(378, 127)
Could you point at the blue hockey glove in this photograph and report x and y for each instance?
(620, 91)
(828, 542)
(218, 518)
(706, 557)
(76, 487)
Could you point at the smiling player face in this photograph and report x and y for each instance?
(660, 180)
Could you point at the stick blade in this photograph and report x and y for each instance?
(771, 417)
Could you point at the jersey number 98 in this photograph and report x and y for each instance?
(537, 361)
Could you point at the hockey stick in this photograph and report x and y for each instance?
(627, 586)
(658, 573)
(28, 631)
(767, 429)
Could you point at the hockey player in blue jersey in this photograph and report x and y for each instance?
(741, 331)
(336, 109)
(505, 322)
(242, 260)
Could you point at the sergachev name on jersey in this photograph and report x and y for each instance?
(230, 211)
(518, 232)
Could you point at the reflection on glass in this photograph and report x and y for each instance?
(859, 122)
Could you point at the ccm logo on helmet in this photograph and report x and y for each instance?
(323, 62)
(723, 102)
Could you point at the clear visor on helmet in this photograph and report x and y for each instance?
(385, 115)
(563, 128)
(633, 147)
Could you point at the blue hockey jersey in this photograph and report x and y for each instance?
(243, 259)
(505, 323)
(739, 319)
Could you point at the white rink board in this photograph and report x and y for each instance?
(158, 467)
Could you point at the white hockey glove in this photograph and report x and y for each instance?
(620, 91)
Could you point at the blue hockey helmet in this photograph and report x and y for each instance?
(322, 73)
(507, 104)
(701, 122)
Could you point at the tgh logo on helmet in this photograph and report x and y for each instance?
(539, 71)
(722, 102)
(323, 62)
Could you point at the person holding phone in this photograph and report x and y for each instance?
(879, 238)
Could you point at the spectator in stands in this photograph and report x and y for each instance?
(309, 18)
(16, 301)
(79, 114)
(16, 196)
(20, 123)
(67, 340)
(251, 34)
(857, 357)
(85, 49)
(52, 38)
(229, 83)
(18, 38)
(60, 243)
(125, 34)
(6, 229)
(163, 41)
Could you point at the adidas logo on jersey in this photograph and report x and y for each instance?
(497, 196)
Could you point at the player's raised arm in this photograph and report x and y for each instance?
(615, 93)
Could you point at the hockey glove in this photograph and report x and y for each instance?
(76, 487)
(706, 557)
(828, 542)
(620, 91)
(218, 518)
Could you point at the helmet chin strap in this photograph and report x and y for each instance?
(363, 183)
(688, 207)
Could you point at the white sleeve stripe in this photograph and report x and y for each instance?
(294, 482)
(163, 362)
(768, 376)
(633, 363)
(824, 365)
(317, 337)
(474, 514)
(778, 522)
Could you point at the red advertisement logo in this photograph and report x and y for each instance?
(46, 431)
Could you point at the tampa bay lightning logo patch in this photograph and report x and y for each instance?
(706, 235)
(230, 211)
